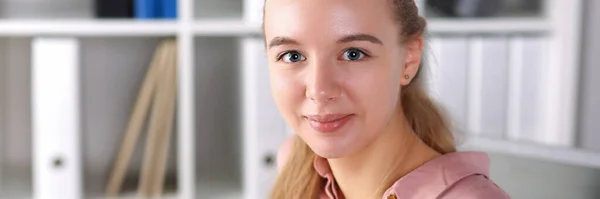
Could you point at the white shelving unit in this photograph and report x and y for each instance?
(511, 82)
(488, 26)
(562, 155)
(234, 27)
(86, 28)
(213, 155)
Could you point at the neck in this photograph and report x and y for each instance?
(368, 173)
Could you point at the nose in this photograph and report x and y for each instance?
(322, 85)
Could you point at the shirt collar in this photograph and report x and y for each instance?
(427, 181)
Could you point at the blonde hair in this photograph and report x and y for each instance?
(299, 180)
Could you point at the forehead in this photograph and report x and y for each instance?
(328, 19)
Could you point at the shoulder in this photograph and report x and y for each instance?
(452, 175)
(475, 187)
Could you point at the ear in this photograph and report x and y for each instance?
(414, 50)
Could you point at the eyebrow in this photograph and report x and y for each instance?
(279, 41)
(360, 37)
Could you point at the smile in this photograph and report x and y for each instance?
(328, 123)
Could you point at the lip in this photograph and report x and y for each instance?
(328, 123)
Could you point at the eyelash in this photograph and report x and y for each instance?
(280, 56)
(366, 55)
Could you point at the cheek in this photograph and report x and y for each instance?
(287, 93)
(376, 89)
(378, 93)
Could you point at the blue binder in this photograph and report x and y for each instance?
(155, 9)
(169, 9)
(146, 9)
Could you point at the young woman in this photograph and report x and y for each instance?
(346, 76)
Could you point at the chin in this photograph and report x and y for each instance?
(332, 147)
(329, 152)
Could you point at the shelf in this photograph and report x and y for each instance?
(17, 183)
(236, 27)
(111, 71)
(488, 26)
(87, 28)
(225, 28)
(569, 156)
(436, 26)
(484, 9)
(135, 196)
(218, 190)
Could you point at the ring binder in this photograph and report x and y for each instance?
(55, 119)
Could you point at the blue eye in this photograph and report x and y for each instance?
(353, 55)
(291, 57)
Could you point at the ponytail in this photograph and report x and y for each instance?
(426, 118)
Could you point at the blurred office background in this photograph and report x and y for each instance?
(518, 77)
(532, 156)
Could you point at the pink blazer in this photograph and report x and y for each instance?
(458, 175)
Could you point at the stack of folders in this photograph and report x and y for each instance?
(155, 103)
(138, 9)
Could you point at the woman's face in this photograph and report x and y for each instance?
(336, 70)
